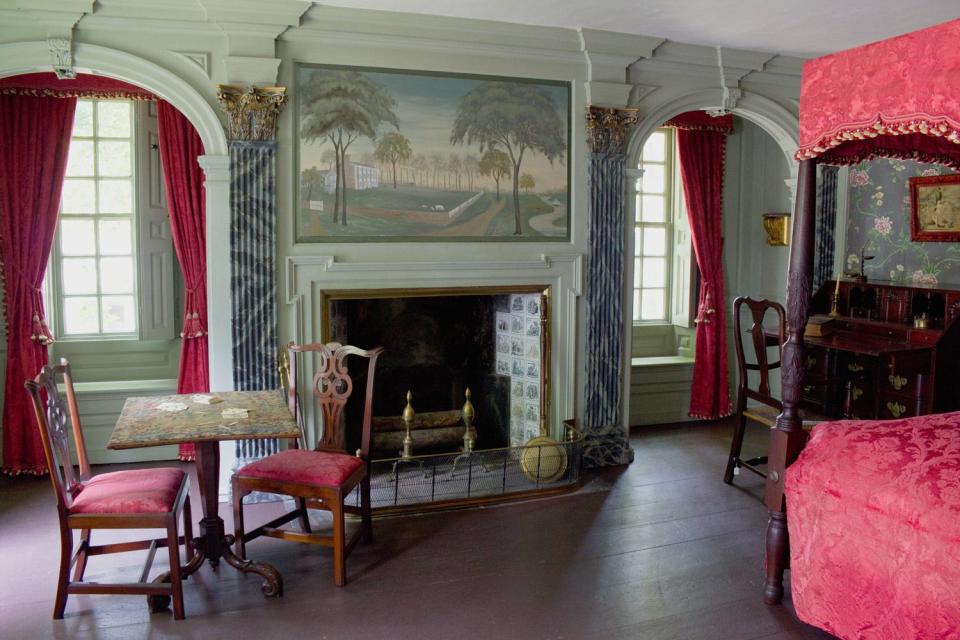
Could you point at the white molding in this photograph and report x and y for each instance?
(308, 277)
(200, 59)
(216, 171)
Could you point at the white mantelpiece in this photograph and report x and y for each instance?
(308, 278)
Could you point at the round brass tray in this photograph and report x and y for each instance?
(543, 459)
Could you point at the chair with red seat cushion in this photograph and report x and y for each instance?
(132, 499)
(320, 478)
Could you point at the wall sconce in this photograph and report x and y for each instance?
(777, 226)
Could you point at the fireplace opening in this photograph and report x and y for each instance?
(437, 344)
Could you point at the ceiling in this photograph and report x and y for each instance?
(802, 28)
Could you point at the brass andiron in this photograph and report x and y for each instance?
(469, 435)
(406, 455)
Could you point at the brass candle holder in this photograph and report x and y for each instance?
(469, 432)
(407, 417)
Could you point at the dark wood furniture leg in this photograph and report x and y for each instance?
(787, 438)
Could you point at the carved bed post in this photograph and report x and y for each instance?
(788, 438)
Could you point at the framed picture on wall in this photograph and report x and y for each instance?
(935, 208)
(386, 155)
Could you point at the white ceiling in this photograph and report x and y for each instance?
(802, 27)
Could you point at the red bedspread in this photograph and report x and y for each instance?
(874, 518)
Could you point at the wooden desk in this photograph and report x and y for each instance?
(895, 370)
(143, 424)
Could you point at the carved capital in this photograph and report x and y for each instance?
(608, 129)
(252, 112)
(61, 57)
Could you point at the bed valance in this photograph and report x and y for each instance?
(83, 86)
(895, 98)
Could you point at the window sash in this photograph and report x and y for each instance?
(666, 224)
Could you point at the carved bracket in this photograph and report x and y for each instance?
(608, 129)
(252, 112)
(61, 57)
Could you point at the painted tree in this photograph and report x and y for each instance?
(392, 148)
(311, 182)
(516, 117)
(436, 165)
(527, 182)
(420, 165)
(471, 166)
(340, 106)
(495, 164)
(455, 167)
(329, 156)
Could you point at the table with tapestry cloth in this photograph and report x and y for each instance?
(149, 422)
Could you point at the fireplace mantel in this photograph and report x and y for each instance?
(308, 278)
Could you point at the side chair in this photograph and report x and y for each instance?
(321, 478)
(128, 499)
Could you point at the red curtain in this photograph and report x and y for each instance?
(180, 145)
(34, 140)
(701, 168)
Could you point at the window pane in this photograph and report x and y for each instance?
(654, 147)
(118, 313)
(115, 196)
(83, 119)
(651, 304)
(79, 276)
(113, 119)
(115, 238)
(636, 304)
(637, 270)
(652, 208)
(77, 238)
(80, 315)
(653, 180)
(80, 158)
(78, 196)
(116, 275)
(654, 241)
(654, 272)
(113, 158)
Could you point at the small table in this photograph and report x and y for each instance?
(142, 423)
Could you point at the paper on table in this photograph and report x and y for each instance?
(234, 413)
(205, 398)
(172, 406)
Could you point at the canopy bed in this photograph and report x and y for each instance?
(898, 98)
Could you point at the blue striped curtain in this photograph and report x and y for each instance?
(253, 242)
(826, 222)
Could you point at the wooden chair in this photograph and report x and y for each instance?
(321, 478)
(768, 407)
(130, 499)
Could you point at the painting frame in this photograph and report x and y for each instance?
(927, 224)
(556, 196)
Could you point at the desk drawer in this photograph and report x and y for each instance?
(894, 405)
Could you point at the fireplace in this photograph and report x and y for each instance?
(438, 343)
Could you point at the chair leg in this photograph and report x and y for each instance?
(366, 520)
(63, 579)
(187, 530)
(736, 445)
(81, 565)
(304, 515)
(339, 546)
(239, 548)
(176, 584)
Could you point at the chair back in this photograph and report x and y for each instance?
(759, 341)
(57, 422)
(330, 388)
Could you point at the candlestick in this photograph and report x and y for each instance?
(836, 290)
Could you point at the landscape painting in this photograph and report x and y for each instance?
(405, 156)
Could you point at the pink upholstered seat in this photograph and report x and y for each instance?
(317, 468)
(131, 491)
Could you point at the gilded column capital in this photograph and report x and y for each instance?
(251, 111)
(608, 128)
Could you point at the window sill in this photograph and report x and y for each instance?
(126, 387)
(660, 361)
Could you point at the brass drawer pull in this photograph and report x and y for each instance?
(807, 388)
(856, 393)
(896, 409)
(897, 382)
(854, 367)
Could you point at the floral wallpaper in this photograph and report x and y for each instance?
(879, 221)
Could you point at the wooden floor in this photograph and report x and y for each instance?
(658, 550)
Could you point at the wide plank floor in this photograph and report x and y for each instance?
(659, 550)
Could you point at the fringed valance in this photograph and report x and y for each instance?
(701, 121)
(896, 98)
(83, 86)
